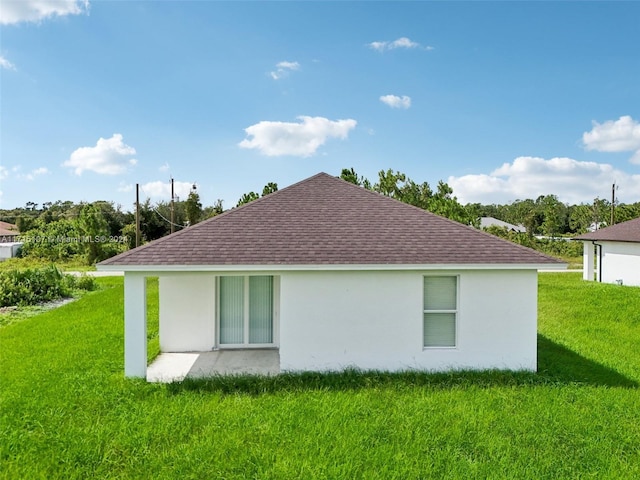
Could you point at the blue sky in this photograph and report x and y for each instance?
(501, 100)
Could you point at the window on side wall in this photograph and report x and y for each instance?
(440, 311)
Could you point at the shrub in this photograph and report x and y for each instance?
(85, 282)
(31, 286)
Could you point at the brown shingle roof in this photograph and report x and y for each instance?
(324, 220)
(622, 232)
(8, 229)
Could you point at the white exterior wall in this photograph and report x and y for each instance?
(373, 320)
(621, 261)
(588, 261)
(135, 325)
(187, 312)
(9, 250)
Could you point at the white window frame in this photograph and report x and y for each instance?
(275, 315)
(455, 312)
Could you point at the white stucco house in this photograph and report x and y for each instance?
(331, 276)
(612, 254)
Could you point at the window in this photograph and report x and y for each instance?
(246, 310)
(440, 311)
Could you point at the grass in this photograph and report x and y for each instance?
(67, 412)
(573, 263)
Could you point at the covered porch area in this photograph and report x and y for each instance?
(199, 333)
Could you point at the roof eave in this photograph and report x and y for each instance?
(330, 267)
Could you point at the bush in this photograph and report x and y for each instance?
(85, 282)
(32, 286)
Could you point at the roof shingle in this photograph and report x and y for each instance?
(324, 220)
(621, 232)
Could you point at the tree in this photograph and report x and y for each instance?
(59, 240)
(390, 183)
(95, 232)
(213, 210)
(350, 175)
(269, 188)
(580, 217)
(193, 207)
(152, 226)
(443, 203)
(247, 197)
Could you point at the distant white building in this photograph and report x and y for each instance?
(486, 222)
(612, 254)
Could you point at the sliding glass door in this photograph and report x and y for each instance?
(246, 310)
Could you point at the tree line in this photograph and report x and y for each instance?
(95, 231)
(548, 216)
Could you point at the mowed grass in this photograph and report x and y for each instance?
(67, 412)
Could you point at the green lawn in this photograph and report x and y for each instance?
(66, 411)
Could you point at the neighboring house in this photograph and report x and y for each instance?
(617, 254)
(335, 276)
(486, 222)
(9, 250)
(596, 226)
(9, 247)
(8, 232)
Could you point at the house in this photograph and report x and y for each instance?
(486, 222)
(615, 253)
(331, 276)
(8, 232)
(9, 245)
(9, 250)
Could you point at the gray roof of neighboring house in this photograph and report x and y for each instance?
(324, 220)
(490, 221)
(621, 232)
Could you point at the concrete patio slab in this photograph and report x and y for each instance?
(175, 367)
(171, 367)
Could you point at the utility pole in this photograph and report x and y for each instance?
(613, 203)
(172, 207)
(137, 215)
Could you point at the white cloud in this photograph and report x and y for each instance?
(109, 157)
(402, 42)
(125, 187)
(34, 173)
(573, 181)
(4, 173)
(283, 69)
(16, 11)
(396, 102)
(6, 64)
(164, 167)
(299, 139)
(622, 135)
(162, 190)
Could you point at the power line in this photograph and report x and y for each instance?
(166, 219)
(155, 210)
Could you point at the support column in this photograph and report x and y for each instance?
(135, 325)
(587, 262)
